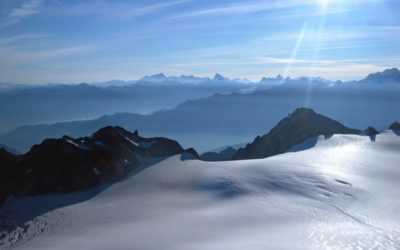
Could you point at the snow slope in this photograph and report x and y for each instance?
(341, 194)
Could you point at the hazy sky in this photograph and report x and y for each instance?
(74, 41)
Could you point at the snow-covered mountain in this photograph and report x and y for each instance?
(341, 194)
(218, 79)
(280, 81)
(301, 125)
(388, 76)
(68, 164)
(163, 79)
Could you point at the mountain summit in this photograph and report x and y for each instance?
(395, 127)
(386, 76)
(68, 164)
(219, 77)
(155, 78)
(293, 130)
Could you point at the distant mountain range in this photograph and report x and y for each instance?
(23, 105)
(190, 79)
(211, 121)
(389, 76)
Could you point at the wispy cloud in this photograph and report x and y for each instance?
(28, 8)
(149, 9)
(59, 52)
(347, 71)
(244, 8)
(19, 38)
(329, 35)
(277, 60)
(12, 55)
(117, 10)
(25, 10)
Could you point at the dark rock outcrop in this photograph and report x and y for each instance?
(68, 164)
(371, 132)
(8, 149)
(7, 161)
(6, 157)
(395, 126)
(190, 154)
(224, 155)
(299, 126)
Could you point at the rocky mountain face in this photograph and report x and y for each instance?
(224, 155)
(395, 127)
(299, 126)
(68, 164)
(7, 160)
(8, 149)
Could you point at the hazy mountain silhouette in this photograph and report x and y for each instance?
(24, 105)
(224, 155)
(228, 119)
(388, 76)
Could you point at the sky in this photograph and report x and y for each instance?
(56, 41)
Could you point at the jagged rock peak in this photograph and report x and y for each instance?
(395, 126)
(110, 131)
(300, 125)
(302, 111)
(219, 77)
(370, 131)
(190, 154)
(68, 164)
(6, 156)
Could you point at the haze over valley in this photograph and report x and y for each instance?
(232, 111)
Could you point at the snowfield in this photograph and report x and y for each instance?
(343, 193)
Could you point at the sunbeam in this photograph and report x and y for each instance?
(324, 4)
(295, 50)
(316, 50)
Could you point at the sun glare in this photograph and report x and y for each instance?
(324, 4)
